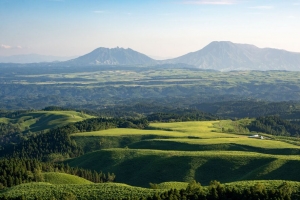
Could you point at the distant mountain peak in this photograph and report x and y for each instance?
(226, 55)
(113, 56)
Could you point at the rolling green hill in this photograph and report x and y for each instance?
(44, 120)
(184, 151)
(62, 178)
(139, 167)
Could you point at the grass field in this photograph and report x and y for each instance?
(61, 178)
(45, 120)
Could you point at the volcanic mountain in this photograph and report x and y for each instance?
(231, 56)
(114, 56)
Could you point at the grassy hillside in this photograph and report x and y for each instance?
(61, 178)
(44, 120)
(139, 167)
(184, 151)
(120, 138)
(184, 136)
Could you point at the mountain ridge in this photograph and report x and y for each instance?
(225, 56)
(217, 55)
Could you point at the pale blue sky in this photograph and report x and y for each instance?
(165, 28)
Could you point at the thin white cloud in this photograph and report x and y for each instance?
(262, 7)
(3, 46)
(210, 2)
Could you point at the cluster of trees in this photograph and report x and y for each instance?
(17, 171)
(215, 191)
(185, 115)
(274, 125)
(250, 108)
(9, 133)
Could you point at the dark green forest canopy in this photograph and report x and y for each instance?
(274, 125)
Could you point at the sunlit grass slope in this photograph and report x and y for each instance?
(184, 136)
(199, 129)
(62, 178)
(45, 120)
(139, 167)
(228, 144)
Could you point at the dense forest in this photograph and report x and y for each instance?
(274, 125)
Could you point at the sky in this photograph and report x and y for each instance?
(157, 28)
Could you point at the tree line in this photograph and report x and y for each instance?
(17, 171)
(274, 125)
(217, 191)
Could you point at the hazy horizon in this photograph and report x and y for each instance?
(157, 28)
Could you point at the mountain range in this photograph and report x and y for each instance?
(221, 55)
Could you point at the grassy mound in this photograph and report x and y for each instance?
(61, 178)
(139, 167)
